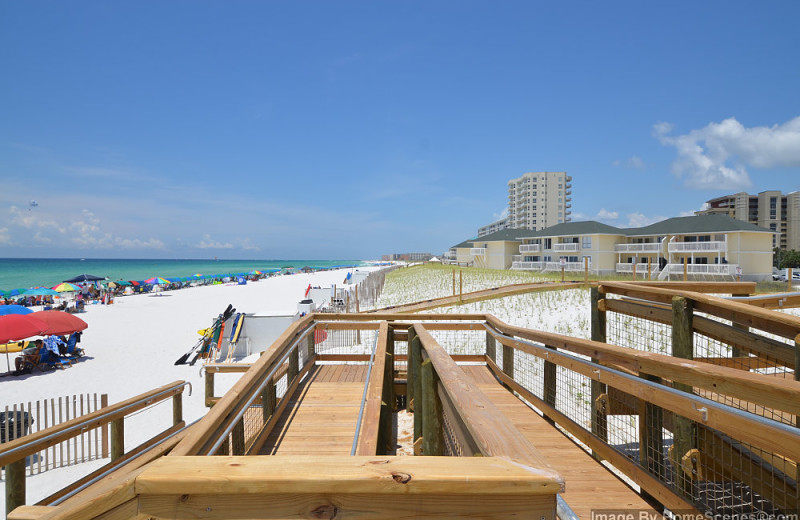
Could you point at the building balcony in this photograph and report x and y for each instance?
(640, 267)
(637, 248)
(569, 266)
(565, 248)
(702, 269)
(698, 247)
(477, 251)
(568, 178)
(527, 266)
(530, 248)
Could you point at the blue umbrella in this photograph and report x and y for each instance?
(42, 291)
(14, 309)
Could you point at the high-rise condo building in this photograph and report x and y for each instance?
(769, 209)
(539, 199)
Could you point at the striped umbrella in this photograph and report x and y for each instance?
(66, 287)
(157, 280)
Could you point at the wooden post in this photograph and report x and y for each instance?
(599, 418)
(356, 298)
(562, 273)
(651, 437)
(410, 371)
(294, 367)
(454, 282)
(550, 390)
(684, 430)
(508, 361)
(685, 268)
(460, 284)
(789, 279)
(491, 347)
(268, 399)
(311, 349)
(237, 438)
(648, 267)
(432, 437)
(177, 408)
(117, 439)
(209, 388)
(15, 484)
(634, 270)
(386, 441)
(104, 432)
(586, 270)
(415, 354)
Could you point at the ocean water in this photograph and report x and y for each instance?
(17, 273)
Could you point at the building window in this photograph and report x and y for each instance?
(548, 243)
(586, 242)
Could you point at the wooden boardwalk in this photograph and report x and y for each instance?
(589, 485)
(322, 413)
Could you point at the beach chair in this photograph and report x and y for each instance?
(73, 352)
(49, 360)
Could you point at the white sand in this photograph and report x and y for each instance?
(131, 347)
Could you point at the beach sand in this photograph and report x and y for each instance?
(131, 347)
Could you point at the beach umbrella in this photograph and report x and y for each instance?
(14, 309)
(157, 280)
(60, 323)
(66, 287)
(14, 327)
(44, 291)
(85, 278)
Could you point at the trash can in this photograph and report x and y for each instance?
(16, 423)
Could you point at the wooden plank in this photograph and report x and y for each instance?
(29, 512)
(346, 505)
(388, 475)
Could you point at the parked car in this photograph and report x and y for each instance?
(784, 275)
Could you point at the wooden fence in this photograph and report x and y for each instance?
(31, 417)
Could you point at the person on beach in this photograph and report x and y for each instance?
(29, 358)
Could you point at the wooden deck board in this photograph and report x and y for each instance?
(321, 415)
(589, 485)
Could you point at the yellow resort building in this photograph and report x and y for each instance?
(706, 247)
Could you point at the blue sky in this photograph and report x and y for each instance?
(351, 129)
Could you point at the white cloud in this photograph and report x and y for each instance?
(5, 237)
(640, 220)
(209, 243)
(499, 216)
(718, 155)
(632, 163)
(604, 215)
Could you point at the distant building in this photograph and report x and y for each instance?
(407, 257)
(494, 227)
(769, 209)
(706, 247)
(538, 200)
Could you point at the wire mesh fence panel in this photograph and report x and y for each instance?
(529, 371)
(461, 342)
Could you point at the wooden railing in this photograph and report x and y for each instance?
(13, 453)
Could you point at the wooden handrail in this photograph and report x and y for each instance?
(370, 419)
(784, 325)
(763, 433)
(779, 394)
(490, 429)
(38, 441)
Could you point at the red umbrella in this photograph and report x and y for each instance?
(14, 327)
(60, 323)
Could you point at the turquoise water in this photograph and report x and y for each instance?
(32, 272)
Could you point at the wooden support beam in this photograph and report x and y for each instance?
(599, 330)
(15, 485)
(117, 439)
(370, 429)
(415, 375)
